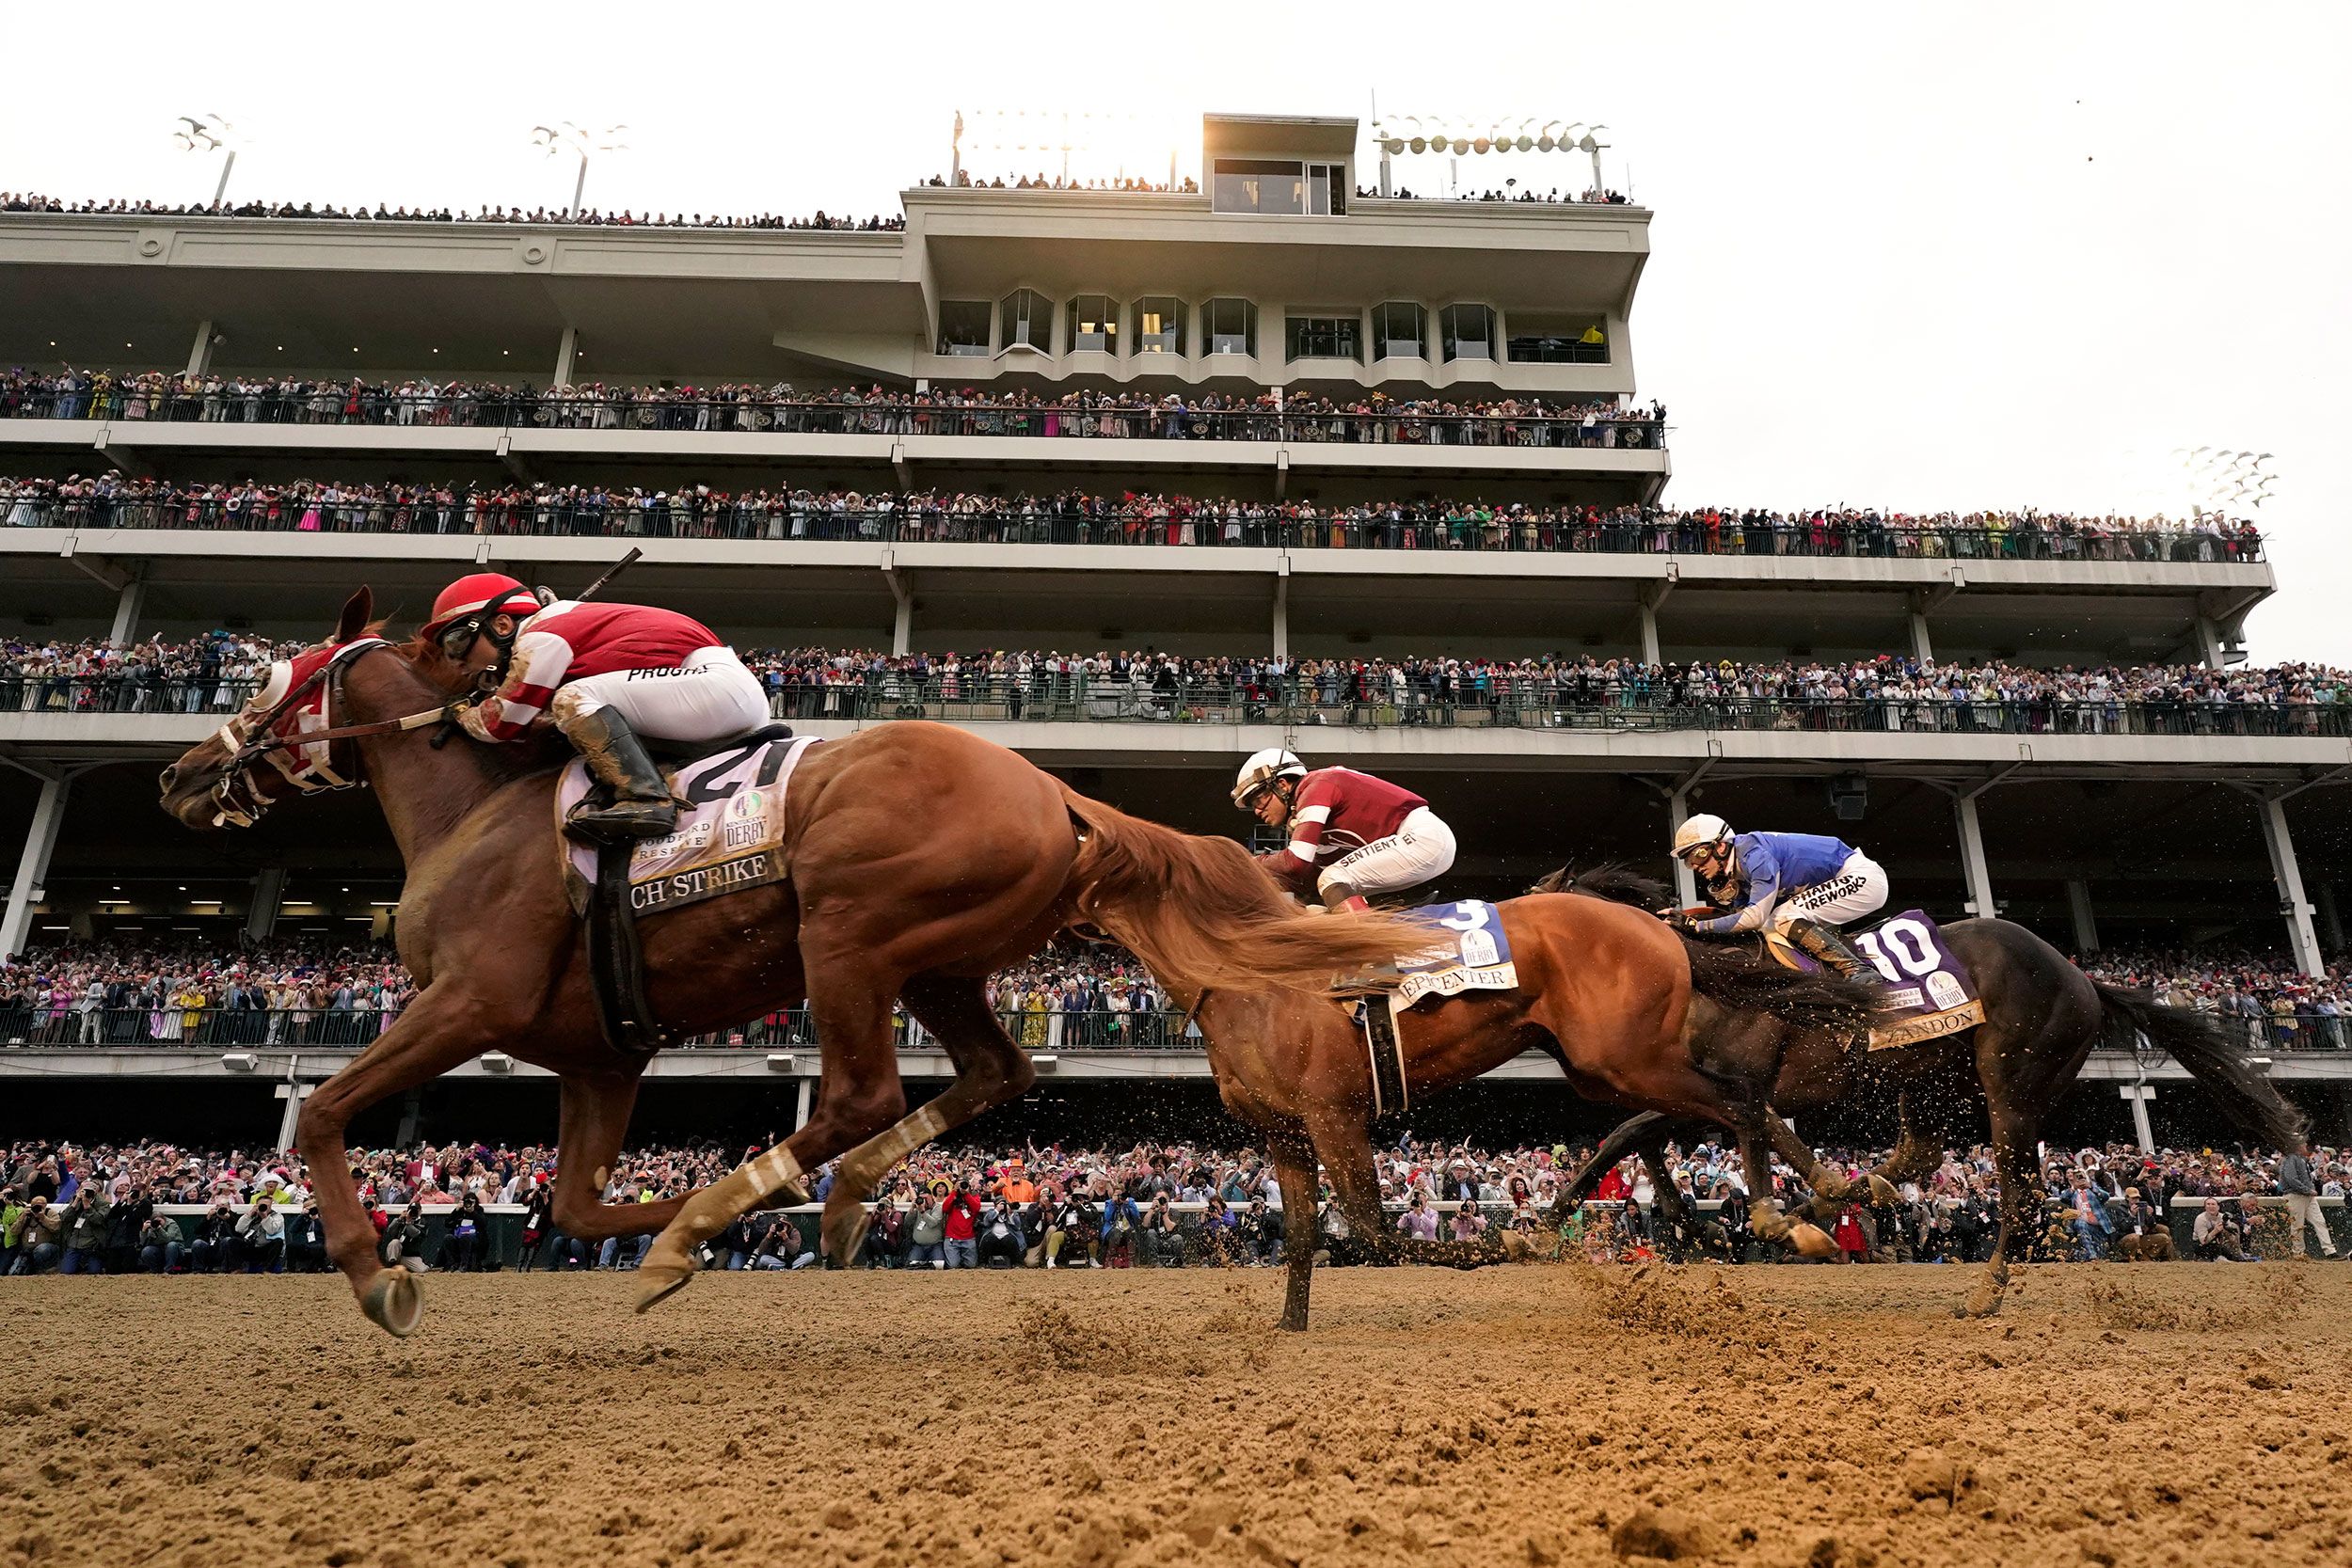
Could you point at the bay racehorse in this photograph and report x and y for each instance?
(2042, 1019)
(1631, 1011)
(922, 859)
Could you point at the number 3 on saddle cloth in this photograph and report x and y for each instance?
(730, 838)
(1928, 993)
(1473, 953)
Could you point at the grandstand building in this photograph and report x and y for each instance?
(1270, 318)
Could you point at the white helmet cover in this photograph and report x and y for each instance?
(1698, 832)
(1262, 768)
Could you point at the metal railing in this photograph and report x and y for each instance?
(24, 1023)
(755, 413)
(681, 513)
(1378, 701)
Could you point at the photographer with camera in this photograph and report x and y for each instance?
(927, 1228)
(85, 1232)
(160, 1249)
(39, 1234)
(462, 1243)
(215, 1237)
(959, 1217)
(262, 1238)
(1162, 1246)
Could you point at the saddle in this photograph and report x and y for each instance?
(730, 838)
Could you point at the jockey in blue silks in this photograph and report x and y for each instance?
(1802, 885)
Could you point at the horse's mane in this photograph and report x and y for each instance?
(1736, 974)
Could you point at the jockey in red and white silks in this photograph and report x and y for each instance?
(604, 674)
(1351, 835)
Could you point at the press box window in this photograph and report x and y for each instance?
(1258, 186)
(1397, 331)
(1557, 340)
(963, 327)
(1468, 331)
(1229, 325)
(1159, 324)
(1029, 321)
(1094, 325)
(1323, 338)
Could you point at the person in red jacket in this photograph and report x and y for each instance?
(1351, 835)
(603, 674)
(963, 1214)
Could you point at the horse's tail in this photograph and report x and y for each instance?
(1201, 913)
(2213, 1058)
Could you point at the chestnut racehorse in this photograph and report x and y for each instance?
(922, 859)
(1629, 1010)
(1698, 1034)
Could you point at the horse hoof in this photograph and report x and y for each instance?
(845, 1236)
(658, 1282)
(1883, 1192)
(394, 1301)
(1811, 1241)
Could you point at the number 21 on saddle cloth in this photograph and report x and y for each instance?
(1929, 992)
(730, 831)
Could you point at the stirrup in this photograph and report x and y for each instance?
(623, 821)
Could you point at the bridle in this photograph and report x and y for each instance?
(306, 759)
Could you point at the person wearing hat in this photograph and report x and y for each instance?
(1804, 885)
(1350, 834)
(604, 676)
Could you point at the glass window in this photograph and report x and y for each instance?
(1029, 321)
(1230, 327)
(1258, 186)
(1323, 338)
(963, 326)
(1557, 340)
(1159, 324)
(1094, 325)
(1396, 331)
(1468, 331)
(1326, 189)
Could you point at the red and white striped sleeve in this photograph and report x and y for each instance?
(1309, 812)
(541, 657)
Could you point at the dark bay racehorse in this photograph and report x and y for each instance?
(1630, 1010)
(922, 860)
(2042, 1019)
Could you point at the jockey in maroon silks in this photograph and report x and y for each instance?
(1351, 835)
(603, 674)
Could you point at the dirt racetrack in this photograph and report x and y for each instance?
(2184, 1413)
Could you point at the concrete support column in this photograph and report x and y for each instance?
(411, 1120)
(127, 607)
(565, 351)
(804, 1102)
(1281, 615)
(2302, 940)
(2140, 1094)
(2078, 905)
(2209, 647)
(1922, 646)
(1686, 881)
(1972, 866)
(902, 595)
(1650, 631)
(32, 866)
(269, 893)
(200, 355)
(293, 1094)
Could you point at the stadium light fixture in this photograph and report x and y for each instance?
(237, 1061)
(497, 1062)
(568, 137)
(780, 1061)
(210, 133)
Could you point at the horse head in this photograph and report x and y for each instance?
(235, 774)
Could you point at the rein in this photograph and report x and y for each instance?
(256, 739)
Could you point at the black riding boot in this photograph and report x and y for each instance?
(1824, 944)
(642, 805)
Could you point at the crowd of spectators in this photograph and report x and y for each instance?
(279, 993)
(33, 202)
(1130, 185)
(1591, 195)
(1128, 517)
(215, 672)
(1124, 414)
(2278, 1005)
(96, 1209)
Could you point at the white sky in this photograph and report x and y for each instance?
(1965, 256)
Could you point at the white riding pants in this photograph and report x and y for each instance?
(1858, 889)
(709, 697)
(1421, 850)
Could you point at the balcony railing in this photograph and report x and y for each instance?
(520, 408)
(25, 1023)
(681, 513)
(1508, 702)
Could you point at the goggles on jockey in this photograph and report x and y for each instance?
(1259, 773)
